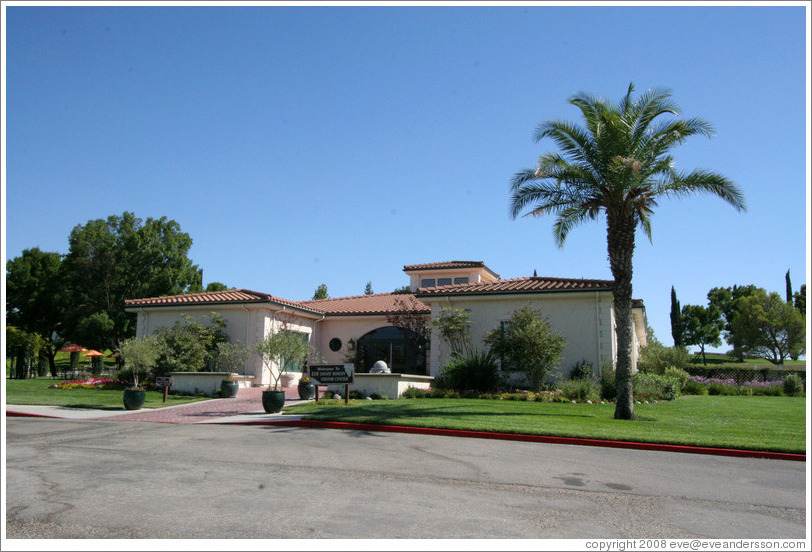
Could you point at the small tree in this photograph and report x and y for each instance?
(282, 349)
(140, 355)
(368, 288)
(453, 325)
(702, 326)
(527, 343)
(230, 356)
(770, 326)
(321, 292)
(789, 288)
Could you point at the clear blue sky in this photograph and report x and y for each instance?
(308, 145)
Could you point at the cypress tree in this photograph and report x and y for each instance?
(677, 330)
(789, 289)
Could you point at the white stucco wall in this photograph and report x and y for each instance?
(344, 328)
(244, 323)
(586, 319)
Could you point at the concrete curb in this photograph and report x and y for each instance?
(535, 439)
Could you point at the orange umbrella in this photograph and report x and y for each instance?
(72, 348)
(92, 353)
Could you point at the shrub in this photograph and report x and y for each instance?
(793, 386)
(607, 382)
(692, 387)
(580, 390)
(656, 357)
(678, 374)
(762, 388)
(581, 370)
(414, 393)
(357, 395)
(477, 370)
(648, 386)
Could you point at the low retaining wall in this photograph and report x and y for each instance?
(205, 382)
(390, 385)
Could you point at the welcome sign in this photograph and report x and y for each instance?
(328, 374)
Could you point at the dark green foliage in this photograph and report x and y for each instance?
(477, 370)
(769, 326)
(789, 288)
(793, 385)
(702, 326)
(321, 292)
(727, 301)
(677, 330)
(368, 289)
(527, 343)
(800, 300)
(121, 258)
(581, 370)
(189, 345)
(694, 388)
(607, 383)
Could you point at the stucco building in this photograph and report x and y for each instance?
(361, 329)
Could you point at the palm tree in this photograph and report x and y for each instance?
(618, 165)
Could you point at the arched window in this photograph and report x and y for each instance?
(403, 351)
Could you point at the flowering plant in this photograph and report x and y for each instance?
(304, 380)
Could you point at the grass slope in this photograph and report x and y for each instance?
(753, 423)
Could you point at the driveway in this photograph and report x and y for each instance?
(103, 479)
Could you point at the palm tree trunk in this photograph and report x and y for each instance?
(620, 244)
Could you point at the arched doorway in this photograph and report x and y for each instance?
(403, 351)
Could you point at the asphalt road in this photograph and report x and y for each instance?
(129, 480)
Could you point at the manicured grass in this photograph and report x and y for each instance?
(35, 391)
(752, 423)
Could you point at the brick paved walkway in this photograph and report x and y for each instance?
(247, 401)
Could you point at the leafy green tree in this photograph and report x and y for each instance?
(321, 292)
(368, 289)
(677, 329)
(703, 326)
(216, 286)
(189, 345)
(121, 258)
(800, 300)
(769, 326)
(36, 297)
(527, 343)
(726, 300)
(454, 325)
(282, 349)
(618, 164)
(139, 355)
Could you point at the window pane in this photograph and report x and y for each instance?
(463, 280)
(428, 282)
(444, 281)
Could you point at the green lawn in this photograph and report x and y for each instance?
(754, 423)
(715, 359)
(35, 391)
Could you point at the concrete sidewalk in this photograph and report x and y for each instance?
(246, 407)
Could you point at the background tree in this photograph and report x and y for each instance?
(321, 292)
(216, 286)
(703, 326)
(789, 288)
(800, 300)
(453, 326)
(725, 299)
(618, 164)
(677, 329)
(769, 326)
(121, 258)
(36, 298)
(527, 343)
(368, 288)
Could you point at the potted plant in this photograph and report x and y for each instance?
(279, 350)
(307, 389)
(229, 357)
(140, 355)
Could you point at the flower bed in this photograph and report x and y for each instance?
(90, 383)
(728, 386)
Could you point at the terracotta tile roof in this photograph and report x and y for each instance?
(518, 285)
(377, 303)
(444, 265)
(380, 303)
(210, 297)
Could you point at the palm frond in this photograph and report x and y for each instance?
(702, 181)
(568, 219)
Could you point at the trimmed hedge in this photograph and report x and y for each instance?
(741, 375)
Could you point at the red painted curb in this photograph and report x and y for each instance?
(534, 439)
(27, 415)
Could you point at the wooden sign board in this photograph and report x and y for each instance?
(164, 382)
(328, 374)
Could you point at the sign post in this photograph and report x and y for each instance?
(166, 383)
(328, 374)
